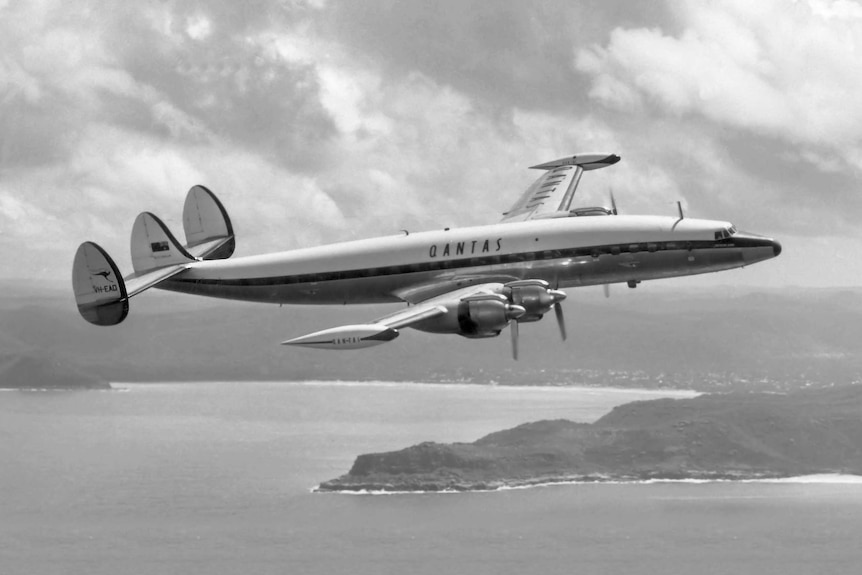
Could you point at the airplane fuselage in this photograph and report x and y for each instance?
(566, 252)
(472, 282)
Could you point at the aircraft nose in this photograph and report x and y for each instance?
(776, 248)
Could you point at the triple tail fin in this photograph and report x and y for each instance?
(154, 246)
(100, 291)
(209, 232)
(102, 294)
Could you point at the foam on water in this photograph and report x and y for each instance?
(821, 478)
(816, 479)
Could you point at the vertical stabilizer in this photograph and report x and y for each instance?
(154, 246)
(99, 288)
(208, 229)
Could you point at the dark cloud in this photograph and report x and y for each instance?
(805, 199)
(227, 83)
(31, 137)
(148, 69)
(506, 53)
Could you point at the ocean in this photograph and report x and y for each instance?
(217, 478)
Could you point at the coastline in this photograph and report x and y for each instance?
(659, 392)
(812, 479)
(731, 437)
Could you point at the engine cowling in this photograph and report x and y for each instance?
(535, 296)
(476, 316)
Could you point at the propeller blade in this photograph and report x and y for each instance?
(607, 288)
(613, 203)
(513, 326)
(558, 311)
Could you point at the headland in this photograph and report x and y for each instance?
(712, 437)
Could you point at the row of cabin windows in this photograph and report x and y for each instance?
(594, 252)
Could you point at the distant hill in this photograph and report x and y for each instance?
(22, 371)
(728, 436)
(715, 339)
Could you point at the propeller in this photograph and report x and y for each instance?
(613, 202)
(558, 311)
(534, 299)
(607, 288)
(513, 312)
(514, 328)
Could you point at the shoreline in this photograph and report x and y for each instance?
(665, 391)
(390, 489)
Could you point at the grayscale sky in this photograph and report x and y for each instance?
(323, 120)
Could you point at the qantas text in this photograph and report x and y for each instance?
(465, 248)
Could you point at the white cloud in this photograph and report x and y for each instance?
(198, 27)
(773, 68)
(345, 96)
(12, 209)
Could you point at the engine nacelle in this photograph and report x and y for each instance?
(476, 316)
(535, 296)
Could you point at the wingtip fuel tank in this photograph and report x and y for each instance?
(346, 337)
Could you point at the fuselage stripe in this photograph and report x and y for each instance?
(487, 260)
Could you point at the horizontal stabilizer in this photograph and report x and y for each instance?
(587, 162)
(136, 283)
(100, 291)
(208, 229)
(154, 246)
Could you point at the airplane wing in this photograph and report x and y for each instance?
(386, 328)
(551, 195)
(481, 310)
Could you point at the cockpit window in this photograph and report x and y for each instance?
(725, 233)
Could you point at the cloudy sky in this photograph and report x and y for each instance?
(325, 120)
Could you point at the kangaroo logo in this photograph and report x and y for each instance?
(110, 287)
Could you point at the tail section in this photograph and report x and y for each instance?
(154, 246)
(102, 294)
(100, 291)
(209, 233)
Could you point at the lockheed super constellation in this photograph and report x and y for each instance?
(473, 281)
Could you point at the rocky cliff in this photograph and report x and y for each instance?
(729, 436)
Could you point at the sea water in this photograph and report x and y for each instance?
(216, 478)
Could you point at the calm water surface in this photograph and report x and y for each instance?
(215, 478)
